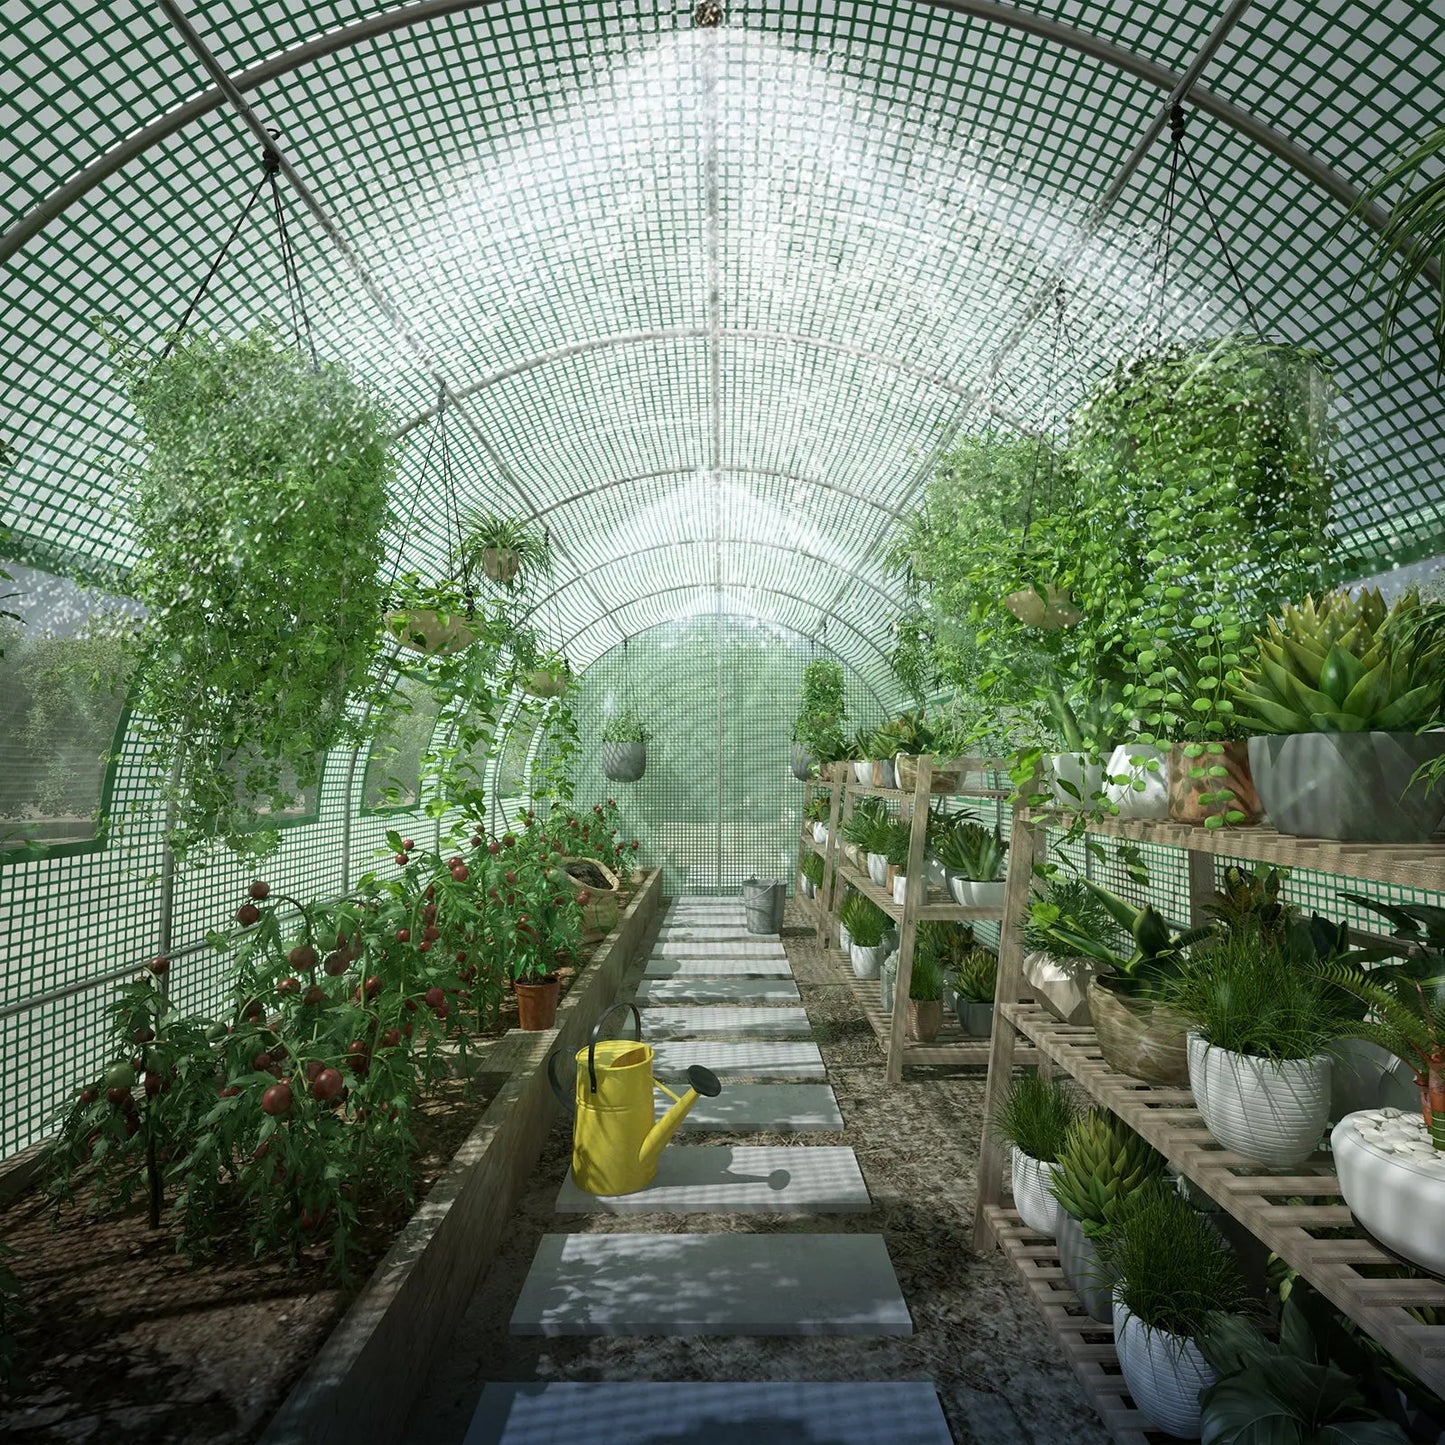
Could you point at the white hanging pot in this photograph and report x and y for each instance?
(1393, 1179)
(866, 961)
(1050, 607)
(878, 868)
(1164, 1373)
(1150, 799)
(1271, 1112)
(1033, 1200)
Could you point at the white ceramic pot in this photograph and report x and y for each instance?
(1393, 1179)
(878, 868)
(866, 961)
(936, 875)
(820, 832)
(890, 936)
(1270, 1112)
(986, 895)
(1075, 770)
(900, 888)
(1151, 798)
(1033, 1199)
(888, 981)
(809, 890)
(863, 774)
(1061, 985)
(845, 938)
(1164, 1373)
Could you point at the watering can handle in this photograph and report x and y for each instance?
(564, 1098)
(597, 1034)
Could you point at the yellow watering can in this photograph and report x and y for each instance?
(615, 1143)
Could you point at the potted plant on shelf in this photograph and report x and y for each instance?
(925, 997)
(1082, 727)
(912, 738)
(816, 814)
(1258, 1066)
(1101, 1163)
(895, 850)
(879, 754)
(818, 730)
(867, 924)
(974, 857)
(856, 831)
(624, 747)
(1339, 692)
(975, 981)
(1034, 1118)
(505, 548)
(874, 836)
(811, 869)
(856, 749)
(1174, 1278)
(1059, 980)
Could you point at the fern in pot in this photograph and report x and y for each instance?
(1034, 1117)
(1174, 1278)
(974, 857)
(1260, 1028)
(624, 747)
(1102, 1162)
(867, 925)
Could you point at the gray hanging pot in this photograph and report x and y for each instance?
(624, 762)
(802, 762)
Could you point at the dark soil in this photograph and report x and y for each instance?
(589, 875)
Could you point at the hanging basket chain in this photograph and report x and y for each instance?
(412, 509)
(300, 320)
(1051, 413)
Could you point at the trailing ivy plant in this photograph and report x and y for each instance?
(822, 711)
(258, 505)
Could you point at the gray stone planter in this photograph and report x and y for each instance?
(975, 1019)
(1351, 786)
(802, 762)
(624, 762)
(1083, 1270)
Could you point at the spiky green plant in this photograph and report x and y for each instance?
(926, 980)
(1067, 902)
(1102, 1160)
(1345, 664)
(973, 851)
(484, 531)
(1035, 1114)
(895, 838)
(975, 976)
(812, 868)
(865, 921)
(867, 818)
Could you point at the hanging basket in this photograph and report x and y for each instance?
(424, 629)
(624, 762)
(1047, 608)
(501, 564)
(545, 682)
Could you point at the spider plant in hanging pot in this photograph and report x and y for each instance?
(624, 747)
(506, 549)
(437, 619)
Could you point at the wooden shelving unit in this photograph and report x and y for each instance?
(1298, 1214)
(920, 903)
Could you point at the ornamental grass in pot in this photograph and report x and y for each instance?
(975, 858)
(925, 997)
(1260, 1028)
(1034, 1117)
(1338, 691)
(1174, 1278)
(1102, 1162)
(867, 926)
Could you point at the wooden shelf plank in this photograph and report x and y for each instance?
(935, 906)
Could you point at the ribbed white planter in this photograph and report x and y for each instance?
(974, 893)
(1270, 1112)
(1164, 1372)
(1033, 1198)
(863, 774)
(1061, 985)
(878, 868)
(1132, 759)
(866, 961)
(1393, 1179)
(1084, 777)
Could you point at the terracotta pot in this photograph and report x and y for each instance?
(501, 564)
(423, 630)
(1143, 1040)
(537, 1003)
(1054, 609)
(599, 915)
(945, 780)
(1184, 791)
(925, 1018)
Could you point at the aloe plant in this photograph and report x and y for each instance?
(1346, 664)
(973, 851)
(1101, 1161)
(975, 976)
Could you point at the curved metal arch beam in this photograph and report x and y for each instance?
(991, 12)
(677, 542)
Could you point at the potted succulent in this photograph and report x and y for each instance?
(1139, 1032)
(867, 925)
(1258, 1062)
(811, 871)
(895, 850)
(1339, 691)
(925, 997)
(505, 548)
(913, 737)
(1102, 1162)
(974, 857)
(879, 754)
(857, 748)
(1174, 1278)
(1034, 1117)
(818, 729)
(975, 982)
(857, 830)
(1059, 980)
(873, 836)
(624, 747)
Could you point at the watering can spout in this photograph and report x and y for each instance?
(703, 1083)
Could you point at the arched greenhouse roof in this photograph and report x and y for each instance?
(707, 301)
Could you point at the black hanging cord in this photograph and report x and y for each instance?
(1060, 302)
(411, 511)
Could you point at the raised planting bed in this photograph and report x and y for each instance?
(129, 1341)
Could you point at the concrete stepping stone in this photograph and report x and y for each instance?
(721, 948)
(691, 1023)
(764, 1109)
(738, 1179)
(711, 1284)
(697, 989)
(713, 933)
(706, 1412)
(739, 1059)
(717, 968)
